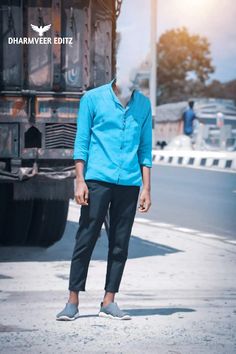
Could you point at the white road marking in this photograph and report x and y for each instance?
(211, 236)
(75, 218)
(75, 206)
(142, 220)
(184, 229)
(232, 241)
(160, 224)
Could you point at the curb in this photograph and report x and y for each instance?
(196, 159)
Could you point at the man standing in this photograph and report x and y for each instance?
(113, 157)
(188, 118)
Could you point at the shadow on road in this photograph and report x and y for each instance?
(149, 312)
(157, 311)
(62, 251)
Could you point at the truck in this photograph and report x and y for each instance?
(51, 53)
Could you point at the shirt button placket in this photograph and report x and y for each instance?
(122, 142)
(123, 130)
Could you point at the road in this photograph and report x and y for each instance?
(179, 289)
(194, 198)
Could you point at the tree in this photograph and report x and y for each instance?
(218, 89)
(184, 64)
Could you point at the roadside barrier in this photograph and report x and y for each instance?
(198, 159)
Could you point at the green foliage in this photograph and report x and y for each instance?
(184, 64)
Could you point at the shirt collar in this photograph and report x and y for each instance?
(114, 78)
(115, 96)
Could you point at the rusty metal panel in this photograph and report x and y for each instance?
(60, 136)
(87, 62)
(56, 48)
(39, 57)
(56, 136)
(41, 154)
(76, 20)
(30, 152)
(103, 21)
(9, 140)
(51, 107)
(10, 54)
(102, 67)
(14, 108)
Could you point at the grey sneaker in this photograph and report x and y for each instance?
(113, 311)
(69, 313)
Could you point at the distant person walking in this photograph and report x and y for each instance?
(188, 118)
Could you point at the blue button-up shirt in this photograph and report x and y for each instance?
(113, 140)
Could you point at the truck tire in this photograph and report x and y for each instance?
(4, 201)
(15, 217)
(48, 222)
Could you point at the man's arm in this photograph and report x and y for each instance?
(145, 161)
(81, 146)
(81, 189)
(145, 145)
(83, 132)
(146, 175)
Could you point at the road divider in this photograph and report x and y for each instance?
(221, 161)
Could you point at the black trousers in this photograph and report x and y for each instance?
(122, 203)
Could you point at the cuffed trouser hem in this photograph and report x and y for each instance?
(111, 290)
(76, 290)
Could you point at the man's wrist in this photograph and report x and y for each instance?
(80, 179)
(147, 188)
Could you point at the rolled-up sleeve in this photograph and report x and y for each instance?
(145, 145)
(83, 132)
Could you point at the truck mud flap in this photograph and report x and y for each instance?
(41, 187)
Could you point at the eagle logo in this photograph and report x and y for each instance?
(41, 29)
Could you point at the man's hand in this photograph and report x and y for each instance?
(81, 193)
(144, 201)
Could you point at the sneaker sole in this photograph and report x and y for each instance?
(106, 315)
(66, 318)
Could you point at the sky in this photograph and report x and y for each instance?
(215, 19)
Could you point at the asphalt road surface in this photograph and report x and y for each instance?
(194, 198)
(179, 289)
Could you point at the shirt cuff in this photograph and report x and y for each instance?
(146, 162)
(79, 155)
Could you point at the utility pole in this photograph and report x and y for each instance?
(153, 76)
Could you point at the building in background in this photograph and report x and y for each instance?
(216, 117)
